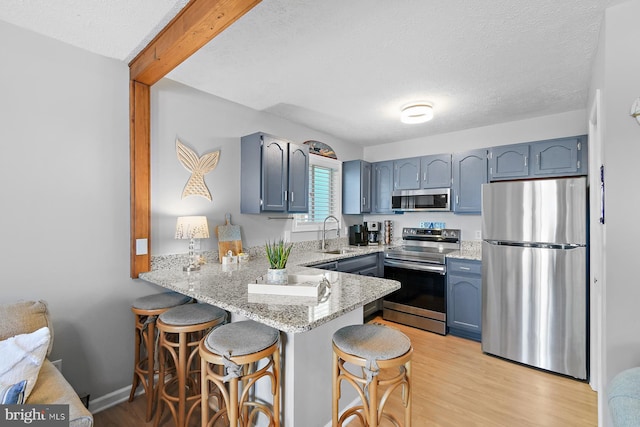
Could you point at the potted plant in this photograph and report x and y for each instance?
(278, 255)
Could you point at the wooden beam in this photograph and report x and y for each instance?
(140, 167)
(197, 23)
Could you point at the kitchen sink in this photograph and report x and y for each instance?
(338, 251)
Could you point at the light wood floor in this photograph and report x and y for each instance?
(455, 384)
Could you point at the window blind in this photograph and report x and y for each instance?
(322, 194)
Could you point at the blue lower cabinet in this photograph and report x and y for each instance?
(464, 298)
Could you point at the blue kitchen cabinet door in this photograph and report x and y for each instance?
(382, 187)
(274, 175)
(469, 173)
(356, 187)
(464, 298)
(509, 162)
(435, 171)
(298, 200)
(563, 156)
(406, 173)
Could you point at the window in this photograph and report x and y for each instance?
(325, 177)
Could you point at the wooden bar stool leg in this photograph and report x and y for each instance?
(407, 395)
(136, 348)
(150, 343)
(276, 388)
(336, 390)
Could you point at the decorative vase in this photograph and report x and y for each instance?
(277, 276)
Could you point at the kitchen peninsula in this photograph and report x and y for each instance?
(307, 326)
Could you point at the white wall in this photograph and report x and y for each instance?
(615, 73)
(64, 170)
(207, 123)
(536, 129)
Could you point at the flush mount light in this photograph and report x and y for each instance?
(418, 112)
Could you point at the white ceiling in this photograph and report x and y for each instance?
(346, 67)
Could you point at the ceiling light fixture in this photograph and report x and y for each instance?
(418, 112)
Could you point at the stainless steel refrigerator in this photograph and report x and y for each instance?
(534, 273)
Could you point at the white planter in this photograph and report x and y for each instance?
(277, 276)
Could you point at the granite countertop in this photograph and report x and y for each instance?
(225, 286)
(471, 250)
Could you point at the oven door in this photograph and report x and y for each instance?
(421, 300)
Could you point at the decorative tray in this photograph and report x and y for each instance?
(303, 285)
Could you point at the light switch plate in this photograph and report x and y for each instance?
(141, 246)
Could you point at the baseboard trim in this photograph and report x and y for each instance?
(112, 399)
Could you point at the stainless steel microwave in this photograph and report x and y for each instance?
(428, 199)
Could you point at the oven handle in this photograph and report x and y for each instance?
(440, 269)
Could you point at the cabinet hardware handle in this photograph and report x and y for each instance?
(465, 268)
(457, 200)
(285, 196)
(292, 197)
(525, 161)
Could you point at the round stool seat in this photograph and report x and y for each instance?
(372, 342)
(624, 397)
(191, 314)
(160, 301)
(241, 338)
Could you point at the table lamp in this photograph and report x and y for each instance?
(192, 227)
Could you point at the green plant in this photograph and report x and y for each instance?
(278, 253)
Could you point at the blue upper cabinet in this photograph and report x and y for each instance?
(406, 173)
(509, 162)
(435, 171)
(274, 175)
(563, 156)
(298, 178)
(539, 159)
(469, 173)
(382, 186)
(356, 187)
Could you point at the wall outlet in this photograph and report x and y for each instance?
(478, 234)
(57, 364)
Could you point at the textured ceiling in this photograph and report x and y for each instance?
(346, 67)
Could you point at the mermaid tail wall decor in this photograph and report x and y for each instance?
(199, 167)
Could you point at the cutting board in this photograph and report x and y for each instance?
(229, 238)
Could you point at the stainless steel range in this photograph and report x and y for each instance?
(419, 265)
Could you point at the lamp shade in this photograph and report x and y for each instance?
(192, 227)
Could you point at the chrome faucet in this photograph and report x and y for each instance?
(324, 230)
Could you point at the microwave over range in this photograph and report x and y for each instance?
(429, 199)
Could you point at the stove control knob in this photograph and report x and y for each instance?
(452, 234)
(444, 233)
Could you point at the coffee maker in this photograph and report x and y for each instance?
(373, 232)
(358, 235)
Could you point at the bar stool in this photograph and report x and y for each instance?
(240, 348)
(146, 309)
(373, 348)
(181, 329)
